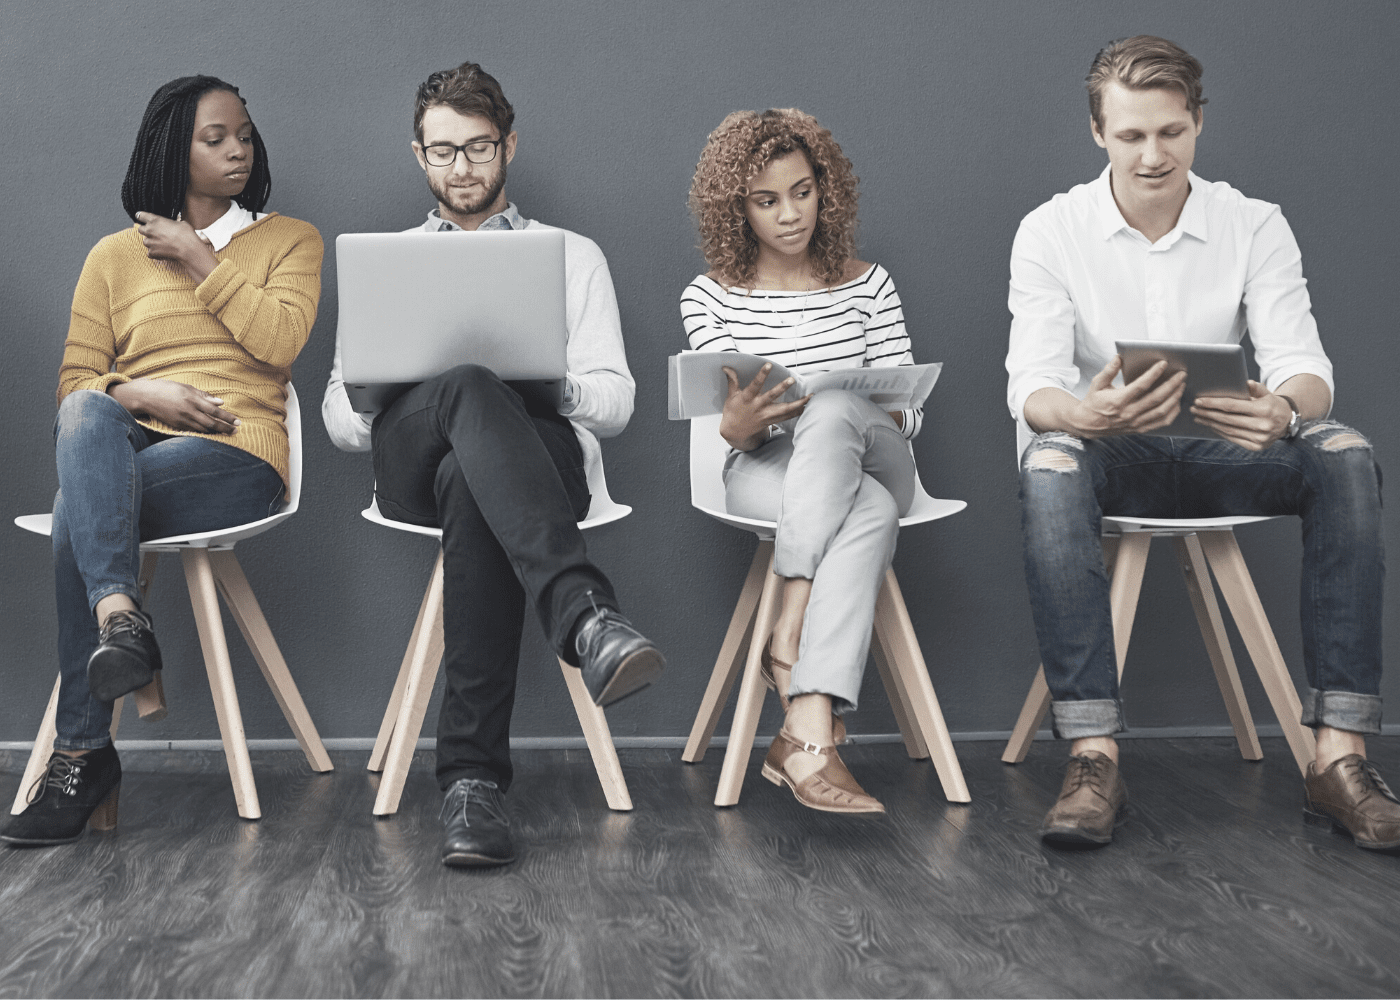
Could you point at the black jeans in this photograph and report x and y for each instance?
(507, 487)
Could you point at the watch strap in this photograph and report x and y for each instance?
(1297, 418)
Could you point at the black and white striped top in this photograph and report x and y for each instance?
(859, 324)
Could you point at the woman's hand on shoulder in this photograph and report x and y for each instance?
(176, 405)
(176, 241)
(748, 411)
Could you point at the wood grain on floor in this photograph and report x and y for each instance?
(1213, 887)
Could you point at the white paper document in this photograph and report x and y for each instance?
(698, 387)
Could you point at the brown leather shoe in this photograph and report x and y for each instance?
(766, 662)
(1352, 796)
(830, 789)
(1090, 804)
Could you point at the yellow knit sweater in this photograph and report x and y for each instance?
(234, 335)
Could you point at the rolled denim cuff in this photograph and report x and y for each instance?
(60, 743)
(1356, 713)
(1077, 720)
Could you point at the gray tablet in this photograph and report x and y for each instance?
(1211, 370)
(415, 304)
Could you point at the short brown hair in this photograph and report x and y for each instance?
(1145, 62)
(736, 152)
(467, 90)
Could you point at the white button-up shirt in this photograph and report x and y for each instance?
(1082, 278)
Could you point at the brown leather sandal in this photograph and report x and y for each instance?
(766, 662)
(830, 789)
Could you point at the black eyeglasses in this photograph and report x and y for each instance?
(444, 154)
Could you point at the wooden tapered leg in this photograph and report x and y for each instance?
(243, 605)
(750, 701)
(1037, 702)
(391, 711)
(1028, 723)
(204, 598)
(731, 656)
(599, 739)
(39, 756)
(1232, 574)
(1124, 587)
(1197, 576)
(896, 632)
(424, 661)
(150, 700)
(914, 743)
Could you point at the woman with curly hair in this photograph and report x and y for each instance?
(775, 200)
(172, 411)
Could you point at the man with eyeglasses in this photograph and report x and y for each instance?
(505, 480)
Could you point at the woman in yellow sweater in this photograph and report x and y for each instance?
(171, 411)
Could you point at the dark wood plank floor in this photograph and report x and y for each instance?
(1214, 887)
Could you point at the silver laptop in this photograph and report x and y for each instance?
(413, 305)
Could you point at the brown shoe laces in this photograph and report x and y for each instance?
(1086, 771)
(1370, 778)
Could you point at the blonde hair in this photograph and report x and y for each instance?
(1145, 62)
(743, 145)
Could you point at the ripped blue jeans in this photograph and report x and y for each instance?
(1326, 475)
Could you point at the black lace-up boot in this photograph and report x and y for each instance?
(126, 657)
(476, 831)
(71, 792)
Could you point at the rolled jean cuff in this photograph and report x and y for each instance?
(60, 743)
(1355, 713)
(1077, 720)
(107, 591)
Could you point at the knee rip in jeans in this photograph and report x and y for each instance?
(1339, 437)
(1050, 453)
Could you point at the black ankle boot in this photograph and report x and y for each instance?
(71, 792)
(126, 657)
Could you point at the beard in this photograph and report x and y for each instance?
(465, 203)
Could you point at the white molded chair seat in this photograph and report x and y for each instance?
(1202, 545)
(894, 647)
(413, 687)
(211, 569)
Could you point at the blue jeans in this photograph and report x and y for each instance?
(1326, 475)
(119, 483)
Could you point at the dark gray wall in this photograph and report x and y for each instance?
(959, 117)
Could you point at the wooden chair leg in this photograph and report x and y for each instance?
(39, 756)
(150, 700)
(914, 744)
(204, 598)
(1037, 703)
(1232, 574)
(1197, 576)
(391, 711)
(425, 657)
(750, 701)
(731, 656)
(1033, 712)
(907, 660)
(1124, 588)
(229, 577)
(599, 739)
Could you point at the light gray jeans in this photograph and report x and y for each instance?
(836, 485)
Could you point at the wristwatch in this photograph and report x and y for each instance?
(1295, 421)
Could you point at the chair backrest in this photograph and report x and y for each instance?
(708, 452)
(294, 451)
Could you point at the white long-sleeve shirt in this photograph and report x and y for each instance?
(1082, 278)
(600, 391)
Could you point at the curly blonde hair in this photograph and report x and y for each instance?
(743, 145)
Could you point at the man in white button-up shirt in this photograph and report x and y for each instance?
(1149, 251)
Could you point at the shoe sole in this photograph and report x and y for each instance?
(467, 859)
(781, 780)
(634, 673)
(1316, 818)
(24, 842)
(113, 673)
(1073, 836)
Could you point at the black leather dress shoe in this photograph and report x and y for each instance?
(476, 831)
(126, 657)
(615, 658)
(71, 792)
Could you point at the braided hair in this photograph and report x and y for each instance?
(159, 172)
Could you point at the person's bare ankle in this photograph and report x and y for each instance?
(1105, 745)
(73, 753)
(1334, 744)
